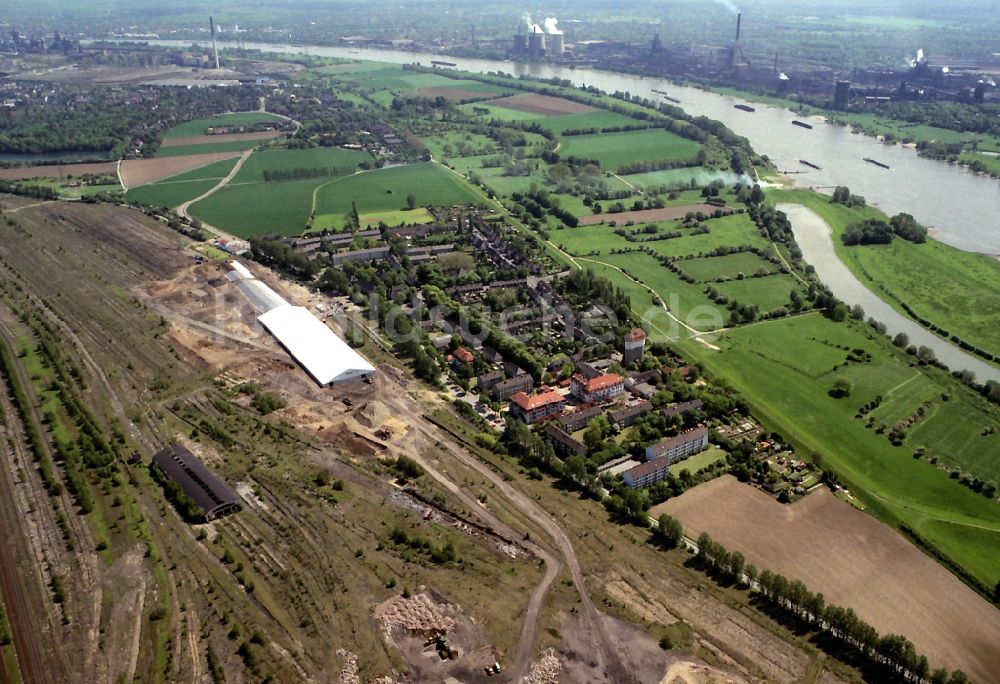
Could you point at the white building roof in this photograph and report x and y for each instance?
(242, 270)
(326, 357)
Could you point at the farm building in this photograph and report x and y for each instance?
(324, 356)
(676, 448)
(210, 494)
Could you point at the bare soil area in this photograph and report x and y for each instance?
(646, 660)
(220, 138)
(413, 624)
(647, 215)
(855, 561)
(546, 105)
(136, 172)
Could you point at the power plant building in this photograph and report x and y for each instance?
(536, 43)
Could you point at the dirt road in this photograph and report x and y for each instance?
(615, 670)
(182, 210)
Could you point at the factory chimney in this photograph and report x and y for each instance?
(739, 20)
(215, 49)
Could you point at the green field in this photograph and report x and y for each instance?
(169, 195)
(958, 291)
(387, 190)
(701, 176)
(209, 148)
(706, 269)
(788, 390)
(693, 464)
(686, 301)
(311, 158)
(214, 171)
(258, 208)
(201, 126)
(614, 150)
(767, 293)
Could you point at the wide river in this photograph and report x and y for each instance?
(961, 208)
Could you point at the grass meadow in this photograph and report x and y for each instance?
(614, 150)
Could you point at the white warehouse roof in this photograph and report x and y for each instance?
(326, 357)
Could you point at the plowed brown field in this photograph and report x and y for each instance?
(855, 561)
(542, 104)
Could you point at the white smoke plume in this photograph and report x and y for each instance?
(552, 26)
(782, 76)
(920, 55)
(730, 5)
(532, 26)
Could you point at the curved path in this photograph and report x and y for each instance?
(814, 237)
(182, 210)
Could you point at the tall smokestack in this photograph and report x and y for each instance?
(739, 20)
(215, 49)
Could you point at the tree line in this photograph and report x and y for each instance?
(300, 173)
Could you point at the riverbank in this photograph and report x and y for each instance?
(956, 291)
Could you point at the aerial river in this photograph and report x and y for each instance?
(815, 239)
(961, 208)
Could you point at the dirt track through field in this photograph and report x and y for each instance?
(136, 172)
(855, 561)
(648, 215)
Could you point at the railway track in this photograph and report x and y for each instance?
(14, 547)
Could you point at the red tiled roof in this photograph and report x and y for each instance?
(602, 382)
(531, 403)
(464, 355)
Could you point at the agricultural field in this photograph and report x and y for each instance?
(201, 126)
(136, 172)
(387, 190)
(767, 294)
(178, 189)
(615, 150)
(334, 158)
(855, 561)
(785, 369)
(958, 291)
(257, 208)
(208, 147)
(705, 269)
